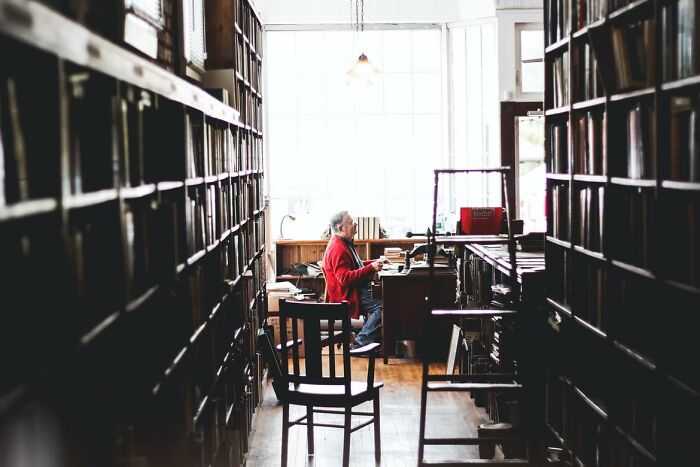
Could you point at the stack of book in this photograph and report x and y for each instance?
(394, 255)
(367, 228)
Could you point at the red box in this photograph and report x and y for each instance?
(481, 221)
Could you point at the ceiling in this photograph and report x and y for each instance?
(383, 11)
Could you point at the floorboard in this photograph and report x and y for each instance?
(449, 414)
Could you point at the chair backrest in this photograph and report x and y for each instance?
(324, 297)
(310, 315)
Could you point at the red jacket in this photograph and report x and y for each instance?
(343, 276)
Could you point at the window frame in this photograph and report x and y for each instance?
(519, 94)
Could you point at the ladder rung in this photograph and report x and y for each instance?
(473, 312)
(473, 378)
(504, 168)
(473, 386)
(466, 462)
(470, 441)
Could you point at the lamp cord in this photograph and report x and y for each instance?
(362, 21)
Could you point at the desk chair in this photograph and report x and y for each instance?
(318, 385)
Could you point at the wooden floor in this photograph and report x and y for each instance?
(449, 414)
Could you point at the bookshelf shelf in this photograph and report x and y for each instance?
(137, 303)
(590, 178)
(581, 33)
(684, 287)
(589, 104)
(633, 182)
(680, 84)
(196, 257)
(559, 307)
(196, 181)
(91, 199)
(635, 445)
(168, 186)
(589, 253)
(632, 7)
(631, 95)
(589, 327)
(636, 356)
(557, 46)
(137, 192)
(561, 243)
(634, 269)
(560, 177)
(684, 387)
(590, 403)
(26, 209)
(558, 111)
(680, 185)
(99, 329)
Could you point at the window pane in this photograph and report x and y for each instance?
(425, 43)
(533, 77)
(531, 180)
(531, 44)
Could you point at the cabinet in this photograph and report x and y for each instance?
(132, 244)
(622, 246)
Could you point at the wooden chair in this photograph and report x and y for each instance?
(318, 387)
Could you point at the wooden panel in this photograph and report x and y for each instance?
(310, 251)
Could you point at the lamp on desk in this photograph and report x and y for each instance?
(282, 223)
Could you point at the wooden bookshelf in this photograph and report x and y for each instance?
(132, 237)
(623, 262)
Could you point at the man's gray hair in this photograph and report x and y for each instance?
(337, 220)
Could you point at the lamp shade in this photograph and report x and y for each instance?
(362, 73)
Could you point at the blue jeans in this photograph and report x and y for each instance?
(371, 331)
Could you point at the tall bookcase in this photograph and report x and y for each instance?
(623, 235)
(132, 251)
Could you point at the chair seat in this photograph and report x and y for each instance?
(338, 325)
(331, 394)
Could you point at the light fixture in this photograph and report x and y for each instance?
(282, 223)
(363, 72)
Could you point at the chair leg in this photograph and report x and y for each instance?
(310, 428)
(377, 431)
(346, 437)
(285, 433)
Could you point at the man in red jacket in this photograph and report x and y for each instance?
(349, 278)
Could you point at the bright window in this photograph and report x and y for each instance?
(370, 151)
(530, 59)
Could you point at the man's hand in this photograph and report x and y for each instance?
(377, 265)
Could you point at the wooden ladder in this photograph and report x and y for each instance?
(472, 383)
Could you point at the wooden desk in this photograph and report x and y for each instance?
(405, 307)
(288, 252)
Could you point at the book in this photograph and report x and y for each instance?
(17, 183)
